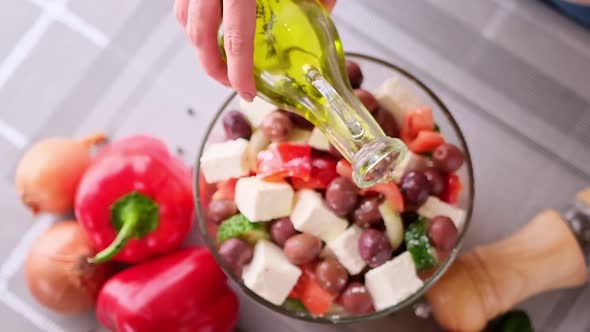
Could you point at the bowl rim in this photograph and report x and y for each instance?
(332, 320)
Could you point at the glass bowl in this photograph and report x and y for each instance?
(375, 71)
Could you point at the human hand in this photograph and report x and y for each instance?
(201, 20)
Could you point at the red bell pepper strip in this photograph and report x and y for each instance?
(182, 291)
(282, 160)
(452, 189)
(426, 141)
(135, 201)
(415, 121)
(391, 192)
(323, 171)
(313, 297)
(344, 169)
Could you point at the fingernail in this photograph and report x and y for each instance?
(248, 96)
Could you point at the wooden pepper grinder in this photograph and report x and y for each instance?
(488, 280)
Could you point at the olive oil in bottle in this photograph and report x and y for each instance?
(299, 66)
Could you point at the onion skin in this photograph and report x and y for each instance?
(58, 274)
(48, 174)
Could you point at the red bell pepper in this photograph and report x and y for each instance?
(313, 297)
(182, 291)
(323, 171)
(419, 131)
(453, 187)
(282, 160)
(391, 193)
(135, 200)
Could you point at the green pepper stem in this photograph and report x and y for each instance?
(132, 216)
(125, 233)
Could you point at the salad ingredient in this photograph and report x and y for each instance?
(412, 162)
(283, 160)
(391, 192)
(236, 125)
(341, 196)
(393, 282)
(323, 171)
(239, 226)
(302, 248)
(394, 227)
(443, 233)
(236, 253)
(48, 174)
(448, 158)
(311, 215)
(374, 247)
(225, 189)
(316, 299)
(452, 189)
(223, 161)
(318, 140)
(277, 126)
(258, 142)
(331, 275)
(270, 274)
(281, 230)
(418, 245)
(415, 121)
(397, 97)
(299, 136)
(355, 75)
(344, 169)
(434, 207)
(294, 305)
(345, 248)
(436, 180)
(198, 286)
(356, 299)
(261, 200)
(256, 110)
(387, 122)
(221, 209)
(135, 200)
(57, 272)
(426, 141)
(368, 100)
(299, 121)
(415, 187)
(367, 214)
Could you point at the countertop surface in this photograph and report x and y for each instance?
(515, 74)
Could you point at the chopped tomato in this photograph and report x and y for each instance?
(390, 191)
(453, 187)
(206, 190)
(282, 160)
(323, 171)
(226, 189)
(315, 299)
(426, 141)
(415, 121)
(343, 168)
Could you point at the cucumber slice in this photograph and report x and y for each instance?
(418, 245)
(394, 226)
(294, 305)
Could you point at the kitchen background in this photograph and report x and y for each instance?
(515, 73)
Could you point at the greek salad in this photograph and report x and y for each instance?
(290, 222)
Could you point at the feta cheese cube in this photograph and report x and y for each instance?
(395, 96)
(311, 215)
(435, 207)
(318, 140)
(393, 282)
(412, 162)
(221, 161)
(299, 136)
(260, 200)
(256, 110)
(346, 249)
(270, 274)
